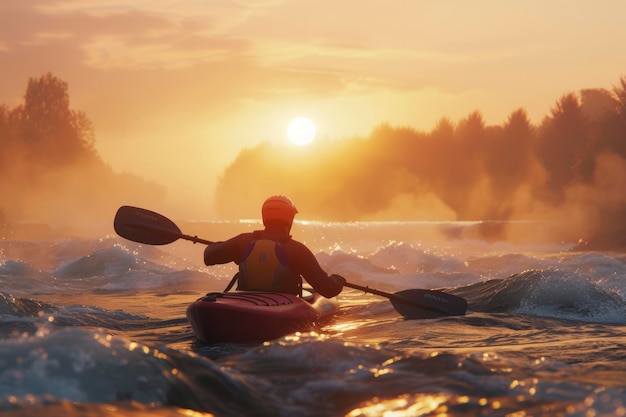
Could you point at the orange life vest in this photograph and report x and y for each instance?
(264, 268)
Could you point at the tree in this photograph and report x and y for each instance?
(560, 144)
(4, 137)
(620, 98)
(54, 134)
(509, 156)
(464, 166)
(611, 134)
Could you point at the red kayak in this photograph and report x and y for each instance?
(247, 317)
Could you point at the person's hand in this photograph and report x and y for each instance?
(339, 278)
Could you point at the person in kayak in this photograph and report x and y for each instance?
(270, 259)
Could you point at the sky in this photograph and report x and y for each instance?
(177, 88)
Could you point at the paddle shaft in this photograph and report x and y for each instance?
(196, 239)
(395, 297)
(369, 290)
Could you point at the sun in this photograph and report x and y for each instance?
(301, 131)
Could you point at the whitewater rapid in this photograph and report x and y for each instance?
(96, 326)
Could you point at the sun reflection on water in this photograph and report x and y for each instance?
(403, 406)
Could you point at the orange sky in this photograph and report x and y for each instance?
(177, 88)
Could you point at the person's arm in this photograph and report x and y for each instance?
(224, 252)
(308, 266)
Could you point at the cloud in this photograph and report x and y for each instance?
(124, 38)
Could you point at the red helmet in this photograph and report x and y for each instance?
(278, 208)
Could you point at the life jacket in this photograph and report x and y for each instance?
(264, 268)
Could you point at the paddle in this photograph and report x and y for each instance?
(145, 226)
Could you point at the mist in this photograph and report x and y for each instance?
(563, 179)
(53, 180)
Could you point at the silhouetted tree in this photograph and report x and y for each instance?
(4, 123)
(560, 144)
(509, 156)
(54, 134)
(4, 138)
(435, 149)
(595, 103)
(599, 107)
(464, 165)
(611, 133)
(385, 164)
(620, 97)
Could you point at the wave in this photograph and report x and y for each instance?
(114, 268)
(568, 285)
(22, 307)
(287, 377)
(113, 334)
(94, 367)
(22, 278)
(547, 293)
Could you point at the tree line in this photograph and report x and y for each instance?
(571, 167)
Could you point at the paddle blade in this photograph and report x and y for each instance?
(145, 226)
(426, 304)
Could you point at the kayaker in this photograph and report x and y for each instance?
(270, 259)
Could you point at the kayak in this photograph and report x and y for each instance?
(248, 317)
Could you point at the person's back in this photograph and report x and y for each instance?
(264, 267)
(270, 260)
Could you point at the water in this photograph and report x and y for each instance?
(97, 327)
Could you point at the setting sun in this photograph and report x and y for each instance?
(301, 131)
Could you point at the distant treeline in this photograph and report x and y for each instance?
(49, 169)
(571, 168)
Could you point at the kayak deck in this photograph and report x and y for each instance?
(247, 317)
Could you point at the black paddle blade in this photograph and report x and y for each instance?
(427, 304)
(145, 226)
